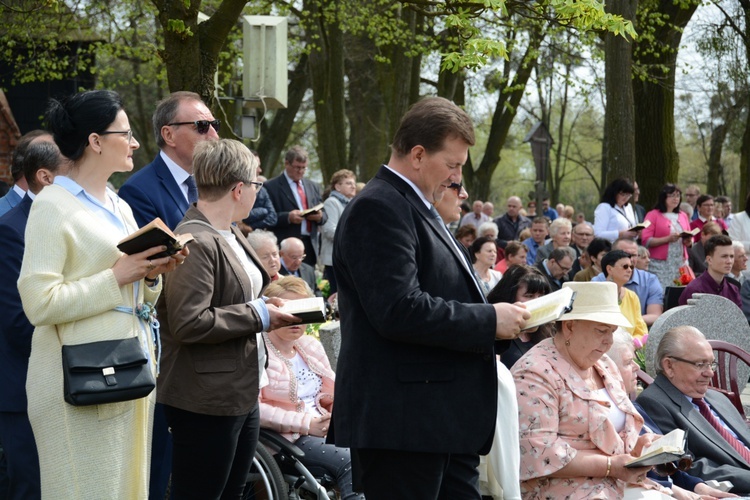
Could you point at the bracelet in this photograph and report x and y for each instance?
(151, 282)
(609, 466)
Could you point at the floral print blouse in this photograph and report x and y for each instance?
(559, 415)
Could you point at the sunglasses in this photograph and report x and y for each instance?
(683, 464)
(628, 266)
(201, 126)
(456, 187)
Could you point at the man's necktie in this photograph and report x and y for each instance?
(192, 190)
(303, 200)
(716, 424)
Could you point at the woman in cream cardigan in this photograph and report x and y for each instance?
(298, 399)
(72, 279)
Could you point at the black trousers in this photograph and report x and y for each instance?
(211, 454)
(405, 475)
(23, 482)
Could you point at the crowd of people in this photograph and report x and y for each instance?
(431, 294)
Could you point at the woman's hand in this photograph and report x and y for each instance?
(628, 234)
(705, 491)
(174, 261)
(319, 426)
(633, 476)
(673, 237)
(279, 318)
(687, 241)
(644, 441)
(131, 268)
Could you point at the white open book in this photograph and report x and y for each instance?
(549, 307)
(310, 310)
(667, 448)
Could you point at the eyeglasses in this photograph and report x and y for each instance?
(201, 126)
(627, 266)
(702, 366)
(456, 186)
(257, 185)
(626, 195)
(295, 258)
(676, 194)
(683, 464)
(588, 235)
(129, 133)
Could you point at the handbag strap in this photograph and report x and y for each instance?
(147, 313)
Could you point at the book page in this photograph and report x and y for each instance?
(301, 305)
(672, 443)
(549, 307)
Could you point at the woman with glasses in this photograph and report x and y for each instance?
(663, 238)
(614, 216)
(343, 188)
(618, 267)
(577, 427)
(210, 317)
(671, 475)
(78, 288)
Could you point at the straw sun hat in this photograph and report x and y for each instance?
(596, 301)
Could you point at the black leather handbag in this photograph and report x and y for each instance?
(103, 372)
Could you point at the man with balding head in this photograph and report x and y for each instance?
(14, 196)
(680, 398)
(292, 253)
(511, 223)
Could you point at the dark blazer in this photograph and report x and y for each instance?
(10, 200)
(15, 329)
(507, 230)
(680, 478)
(307, 273)
(263, 215)
(554, 284)
(283, 201)
(209, 362)
(715, 458)
(416, 371)
(152, 192)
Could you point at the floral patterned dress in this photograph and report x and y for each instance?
(559, 415)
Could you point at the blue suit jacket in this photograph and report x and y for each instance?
(152, 192)
(15, 329)
(10, 200)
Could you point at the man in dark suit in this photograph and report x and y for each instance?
(291, 193)
(416, 385)
(42, 161)
(510, 224)
(557, 266)
(292, 254)
(679, 398)
(165, 187)
(16, 193)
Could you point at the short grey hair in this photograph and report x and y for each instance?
(672, 343)
(487, 227)
(560, 253)
(260, 236)
(622, 342)
(558, 224)
(166, 110)
(295, 153)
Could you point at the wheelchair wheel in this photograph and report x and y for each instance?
(265, 480)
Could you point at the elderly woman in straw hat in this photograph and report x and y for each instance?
(577, 426)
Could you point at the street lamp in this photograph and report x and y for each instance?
(541, 142)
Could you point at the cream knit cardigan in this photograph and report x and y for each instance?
(69, 292)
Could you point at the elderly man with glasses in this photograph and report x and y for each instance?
(680, 398)
(292, 253)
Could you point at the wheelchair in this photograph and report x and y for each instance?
(278, 474)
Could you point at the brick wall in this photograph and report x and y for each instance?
(9, 135)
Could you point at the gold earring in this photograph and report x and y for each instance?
(567, 343)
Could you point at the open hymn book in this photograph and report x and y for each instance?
(640, 226)
(310, 310)
(549, 307)
(152, 235)
(667, 448)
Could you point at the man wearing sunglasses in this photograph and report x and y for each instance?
(165, 187)
(290, 194)
(719, 262)
(680, 398)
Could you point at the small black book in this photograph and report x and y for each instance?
(154, 234)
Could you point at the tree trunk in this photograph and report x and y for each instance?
(619, 120)
(745, 148)
(657, 161)
(502, 118)
(715, 168)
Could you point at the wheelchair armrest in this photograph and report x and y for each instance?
(279, 442)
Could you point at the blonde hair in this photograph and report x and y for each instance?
(288, 284)
(217, 165)
(340, 175)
